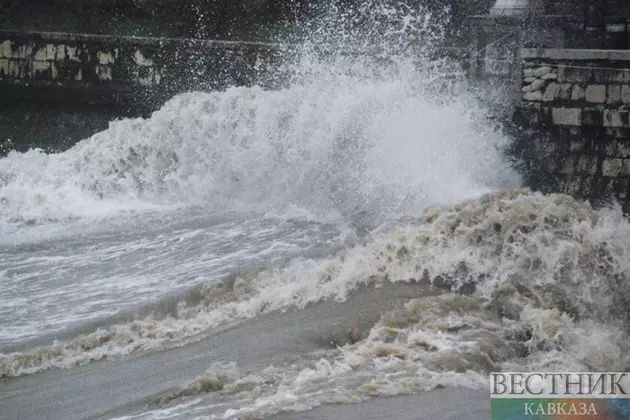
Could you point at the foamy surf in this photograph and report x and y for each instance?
(544, 277)
(529, 289)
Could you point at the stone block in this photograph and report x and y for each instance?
(577, 145)
(578, 93)
(71, 53)
(596, 94)
(614, 94)
(51, 52)
(6, 49)
(619, 55)
(548, 148)
(579, 75)
(104, 73)
(42, 70)
(587, 165)
(565, 91)
(622, 133)
(623, 148)
(551, 93)
(612, 167)
(143, 76)
(600, 76)
(541, 71)
(562, 73)
(592, 117)
(47, 52)
(606, 186)
(569, 54)
(618, 148)
(19, 69)
(615, 76)
(533, 96)
(613, 118)
(537, 84)
(528, 73)
(60, 52)
(105, 57)
(141, 60)
(529, 79)
(4, 67)
(40, 54)
(550, 76)
(567, 116)
(588, 183)
(571, 186)
(22, 52)
(625, 94)
(41, 66)
(567, 166)
(13, 69)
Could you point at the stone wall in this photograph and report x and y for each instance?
(122, 76)
(126, 70)
(573, 122)
(496, 44)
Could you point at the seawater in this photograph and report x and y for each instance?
(227, 207)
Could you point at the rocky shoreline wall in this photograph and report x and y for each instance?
(572, 124)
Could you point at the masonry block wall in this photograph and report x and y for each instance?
(574, 122)
(109, 69)
(92, 75)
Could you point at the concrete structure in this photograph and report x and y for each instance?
(84, 81)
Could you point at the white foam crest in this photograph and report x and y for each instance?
(363, 135)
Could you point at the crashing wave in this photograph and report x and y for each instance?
(536, 281)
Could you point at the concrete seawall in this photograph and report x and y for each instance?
(87, 80)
